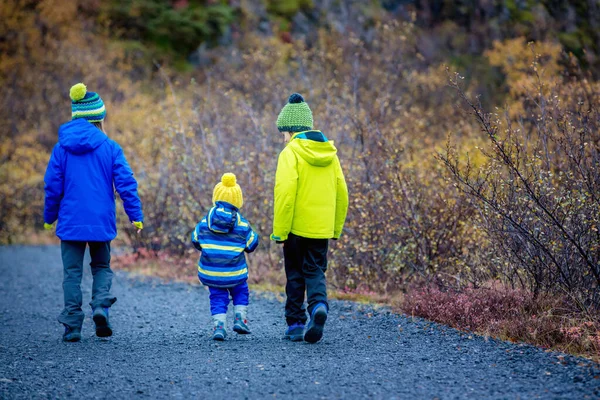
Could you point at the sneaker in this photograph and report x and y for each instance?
(100, 317)
(219, 332)
(314, 330)
(71, 334)
(295, 332)
(240, 325)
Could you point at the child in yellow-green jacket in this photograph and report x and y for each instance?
(311, 202)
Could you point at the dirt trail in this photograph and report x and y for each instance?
(162, 348)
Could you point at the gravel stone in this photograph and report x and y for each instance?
(161, 348)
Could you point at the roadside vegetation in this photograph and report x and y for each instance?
(471, 155)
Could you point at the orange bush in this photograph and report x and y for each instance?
(538, 189)
(510, 314)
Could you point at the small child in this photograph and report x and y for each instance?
(223, 236)
(311, 202)
(84, 170)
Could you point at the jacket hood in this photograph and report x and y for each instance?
(314, 148)
(222, 217)
(79, 136)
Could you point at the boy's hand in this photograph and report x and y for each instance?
(276, 239)
(139, 225)
(48, 227)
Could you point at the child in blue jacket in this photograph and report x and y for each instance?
(84, 170)
(224, 236)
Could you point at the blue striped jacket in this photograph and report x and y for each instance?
(223, 236)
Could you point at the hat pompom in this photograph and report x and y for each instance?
(78, 92)
(228, 180)
(296, 98)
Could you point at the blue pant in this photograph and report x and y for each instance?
(219, 297)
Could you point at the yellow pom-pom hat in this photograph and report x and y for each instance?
(86, 104)
(228, 191)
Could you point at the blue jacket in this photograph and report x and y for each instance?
(84, 166)
(223, 236)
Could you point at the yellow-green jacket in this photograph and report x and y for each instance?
(311, 196)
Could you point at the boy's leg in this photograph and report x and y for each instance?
(313, 269)
(219, 300)
(102, 299)
(72, 256)
(295, 284)
(240, 295)
(102, 275)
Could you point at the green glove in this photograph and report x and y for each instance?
(48, 227)
(138, 224)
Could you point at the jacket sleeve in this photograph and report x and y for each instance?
(195, 240)
(126, 186)
(53, 185)
(341, 201)
(251, 241)
(286, 184)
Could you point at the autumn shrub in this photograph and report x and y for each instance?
(287, 8)
(469, 309)
(510, 314)
(176, 29)
(382, 108)
(487, 212)
(404, 222)
(538, 188)
(45, 48)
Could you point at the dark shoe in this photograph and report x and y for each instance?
(240, 325)
(314, 330)
(219, 332)
(71, 334)
(100, 317)
(295, 332)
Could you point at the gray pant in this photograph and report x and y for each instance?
(72, 257)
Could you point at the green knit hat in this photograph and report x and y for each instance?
(87, 105)
(295, 116)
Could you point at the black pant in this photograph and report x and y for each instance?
(305, 266)
(72, 257)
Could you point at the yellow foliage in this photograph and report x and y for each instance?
(21, 177)
(518, 59)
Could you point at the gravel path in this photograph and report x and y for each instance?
(162, 349)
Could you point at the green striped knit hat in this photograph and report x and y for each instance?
(295, 116)
(86, 104)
